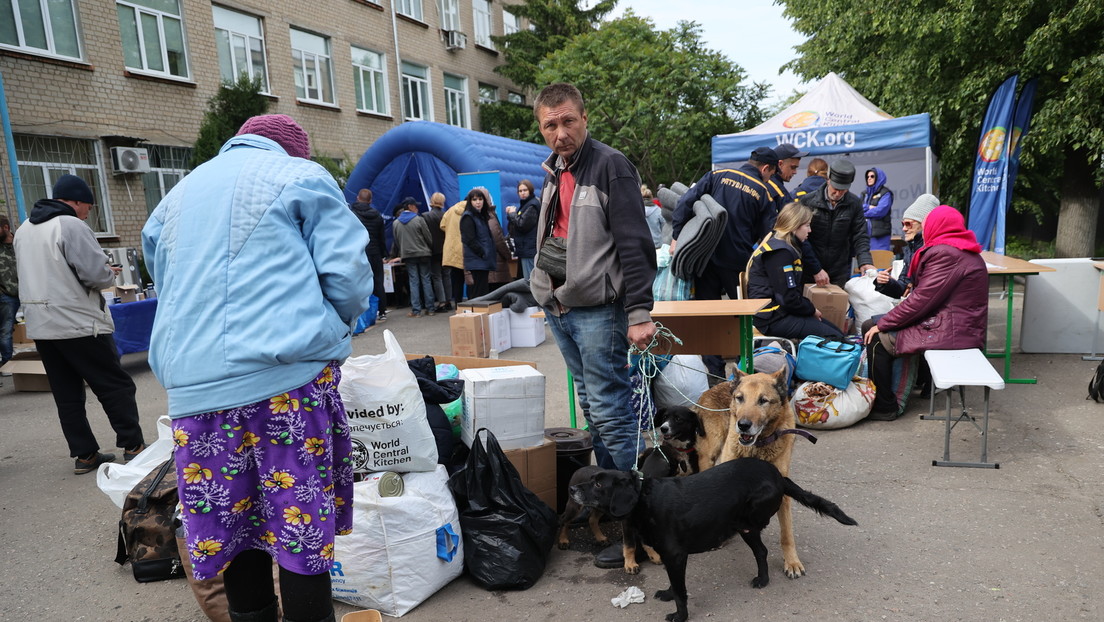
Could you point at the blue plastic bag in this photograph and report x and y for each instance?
(368, 318)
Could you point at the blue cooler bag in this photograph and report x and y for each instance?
(831, 362)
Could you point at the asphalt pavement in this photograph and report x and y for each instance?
(1020, 543)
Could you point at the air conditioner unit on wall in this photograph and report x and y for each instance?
(455, 40)
(129, 160)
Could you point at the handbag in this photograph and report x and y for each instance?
(552, 258)
(147, 538)
(822, 360)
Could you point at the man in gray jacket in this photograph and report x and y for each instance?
(61, 272)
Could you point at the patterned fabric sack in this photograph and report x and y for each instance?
(146, 535)
(821, 406)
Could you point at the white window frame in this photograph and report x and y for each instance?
(409, 8)
(312, 63)
(371, 77)
(457, 108)
(51, 48)
(416, 85)
(100, 218)
(510, 23)
(144, 55)
(450, 14)
(161, 176)
(483, 99)
(484, 23)
(243, 37)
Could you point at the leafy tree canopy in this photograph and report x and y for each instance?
(658, 96)
(946, 58)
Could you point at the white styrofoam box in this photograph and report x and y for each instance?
(498, 331)
(508, 401)
(526, 331)
(1059, 308)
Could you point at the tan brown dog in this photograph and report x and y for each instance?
(750, 417)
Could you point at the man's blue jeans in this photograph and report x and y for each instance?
(418, 278)
(8, 306)
(594, 343)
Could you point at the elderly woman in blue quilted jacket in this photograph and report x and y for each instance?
(946, 310)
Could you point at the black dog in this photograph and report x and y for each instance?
(679, 428)
(683, 515)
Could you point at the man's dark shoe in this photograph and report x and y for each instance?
(883, 412)
(612, 556)
(130, 454)
(91, 462)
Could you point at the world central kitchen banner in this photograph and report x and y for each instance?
(988, 193)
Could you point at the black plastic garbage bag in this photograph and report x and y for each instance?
(508, 531)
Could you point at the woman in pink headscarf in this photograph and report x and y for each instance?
(947, 308)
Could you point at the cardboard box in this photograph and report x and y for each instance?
(832, 302)
(478, 307)
(537, 468)
(468, 332)
(498, 333)
(125, 293)
(19, 334)
(27, 372)
(508, 401)
(526, 331)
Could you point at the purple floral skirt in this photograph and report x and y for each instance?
(274, 475)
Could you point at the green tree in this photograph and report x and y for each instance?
(554, 23)
(226, 111)
(658, 96)
(946, 57)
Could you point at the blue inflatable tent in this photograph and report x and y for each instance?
(419, 158)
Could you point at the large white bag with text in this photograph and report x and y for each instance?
(387, 415)
(403, 548)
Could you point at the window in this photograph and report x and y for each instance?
(409, 8)
(40, 27)
(456, 100)
(168, 165)
(510, 23)
(153, 37)
(370, 81)
(515, 98)
(482, 10)
(488, 93)
(241, 48)
(43, 159)
(415, 91)
(313, 70)
(450, 14)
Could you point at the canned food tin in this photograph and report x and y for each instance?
(390, 484)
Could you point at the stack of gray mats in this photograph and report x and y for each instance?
(700, 234)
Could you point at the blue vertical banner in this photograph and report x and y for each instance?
(489, 181)
(991, 163)
(1021, 121)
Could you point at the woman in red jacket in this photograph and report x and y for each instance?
(947, 309)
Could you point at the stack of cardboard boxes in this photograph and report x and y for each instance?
(483, 329)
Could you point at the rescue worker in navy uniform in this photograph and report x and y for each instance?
(789, 158)
(839, 227)
(775, 272)
(744, 194)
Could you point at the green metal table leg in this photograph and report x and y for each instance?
(1006, 353)
(571, 397)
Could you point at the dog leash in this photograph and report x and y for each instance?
(777, 434)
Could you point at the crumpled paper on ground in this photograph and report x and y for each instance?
(629, 596)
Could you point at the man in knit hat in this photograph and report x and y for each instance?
(61, 272)
(839, 227)
(912, 222)
(261, 273)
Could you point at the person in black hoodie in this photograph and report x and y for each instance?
(523, 226)
(377, 244)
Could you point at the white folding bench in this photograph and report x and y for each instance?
(962, 368)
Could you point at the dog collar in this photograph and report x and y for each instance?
(767, 440)
(688, 450)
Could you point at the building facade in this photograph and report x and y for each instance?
(114, 90)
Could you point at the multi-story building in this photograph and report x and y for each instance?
(96, 86)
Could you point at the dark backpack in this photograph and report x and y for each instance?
(1096, 385)
(147, 537)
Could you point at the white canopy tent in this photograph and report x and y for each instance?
(834, 122)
